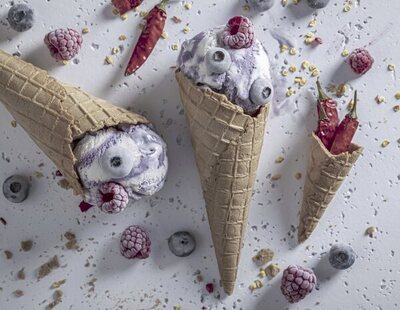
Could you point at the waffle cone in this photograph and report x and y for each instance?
(325, 174)
(54, 114)
(227, 145)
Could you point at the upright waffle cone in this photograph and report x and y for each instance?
(227, 145)
(325, 174)
(53, 114)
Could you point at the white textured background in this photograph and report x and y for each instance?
(369, 196)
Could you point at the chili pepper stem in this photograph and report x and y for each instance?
(322, 113)
(321, 93)
(163, 5)
(353, 112)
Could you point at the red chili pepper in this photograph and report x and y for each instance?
(148, 38)
(124, 6)
(328, 118)
(346, 131)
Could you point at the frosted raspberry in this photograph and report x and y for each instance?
(124, 6)
(112, 198)
(135, 243)
(238, 33)
(297, 283)
(64, 44)
(360, 60)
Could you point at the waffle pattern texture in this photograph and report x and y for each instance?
(227, 145)
(325, 174)
(54, 114)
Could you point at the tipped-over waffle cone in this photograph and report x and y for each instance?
(325, 174)
(53, 114)
(227, 145)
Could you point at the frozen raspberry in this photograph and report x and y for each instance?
(124, 6)
(135, 243)
(112, 198)
(238, 33)
(64, 44)
(297, 283)
(360, 60)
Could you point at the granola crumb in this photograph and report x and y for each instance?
(48, 267)
(57, 299)
(279, 159)
(26, 245)
(21, 274)
(57, 284)
(14, 123)
(263, 256)
(18, 293)
(8, 254)
(272, 270)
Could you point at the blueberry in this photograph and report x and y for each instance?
(20, 17)
(317, 4)
(181, 243)
(261, 92)
(218, 60)
(261, 5)
(341, 256)
(16, 188)
(117, 161)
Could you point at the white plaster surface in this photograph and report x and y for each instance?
(369, 196)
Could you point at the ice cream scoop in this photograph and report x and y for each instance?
(122, 163)
(231, 61)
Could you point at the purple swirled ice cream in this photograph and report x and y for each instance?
(121, 164)
(229, 60)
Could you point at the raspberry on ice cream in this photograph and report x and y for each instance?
(360, 60)
(112, 198)
(238, 33)
(135, 243)
(64, 44)
(297, 283)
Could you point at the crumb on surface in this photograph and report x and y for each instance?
(26, 245)
(48, 267)
(18, 293)
(57, 284)
(263, 256)
(8, 254)
(21, 274)
(272, 270)
(371, 231)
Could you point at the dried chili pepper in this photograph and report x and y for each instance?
(124, 6)
(328, 118)
(346, 131)
(149, 37)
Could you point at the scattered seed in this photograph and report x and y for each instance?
(176, 19)
(396, 108)
(315, 73)
(124, 16)
(246, 8)
(284, 72)
(391, 67)
(65, 62)
(300, 80)
(347, 8)
(122, 37)
(188, 6)
(379, 99)
(298, 176)
(186, 30)
(21, 274)
(385, 143)
(13, 123)
(26, 245)
(284, 2)
(115, 50)
(57, 284)
(175, 46)
(108, 60)
(292, 68)
(164, 35)
(345, 52)
(312, 67)
(279, 159)
(296, 2)
(262, 273)
(283, 48)
(263, 256)
(18, 293)
(308, 41)
(312, 23)
(371, 231)
(305, 64)
(276, 177)
(290, 92)
(293, 51)
(397, 95)
(85, 30)
(341, 90)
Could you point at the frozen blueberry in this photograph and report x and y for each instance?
(317, 4)
(20, 17)
(261, 92)
(117, 161)
(341, 256)
(16, 188)
(261, 5)
(181, 243)
(218, 60)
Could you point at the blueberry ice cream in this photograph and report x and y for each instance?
(231, 61)
(121, 164)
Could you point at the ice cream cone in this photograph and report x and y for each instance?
(227, 145)
(53, 114)
(326, 172)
